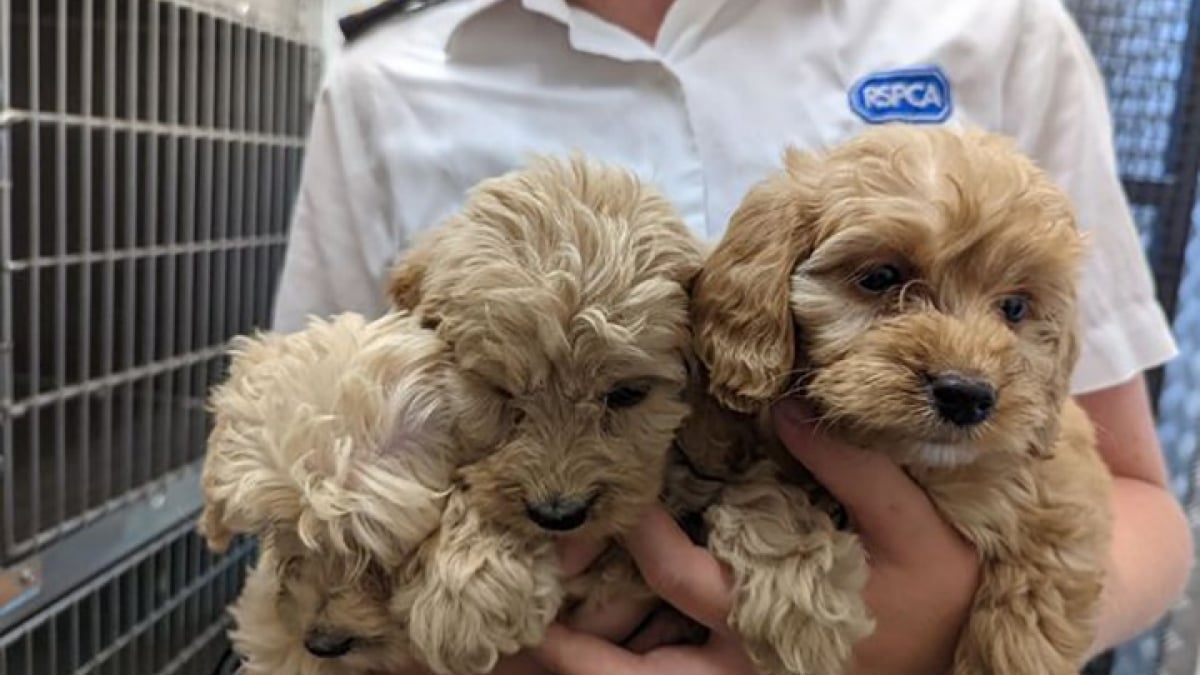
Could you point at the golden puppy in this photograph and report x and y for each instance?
(918, 286)
(335, 444)
(562, 289)
(305, 612)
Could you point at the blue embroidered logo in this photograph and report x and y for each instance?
(919, 94)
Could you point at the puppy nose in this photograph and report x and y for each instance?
(961, 400)
(328, 645)
(559, 514)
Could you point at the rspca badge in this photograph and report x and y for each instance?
(920, 94)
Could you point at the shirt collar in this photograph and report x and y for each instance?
(585, 32)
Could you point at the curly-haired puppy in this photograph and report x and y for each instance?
(306, 612)
(918, 286)
(335, 445)
(562, 289)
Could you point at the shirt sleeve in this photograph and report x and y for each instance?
(1056, 107)
(340, 243)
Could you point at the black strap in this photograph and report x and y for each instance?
(354, 25)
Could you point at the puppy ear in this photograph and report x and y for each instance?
(1067, 348)
(309, 430)
(408, 273)
(741, 302)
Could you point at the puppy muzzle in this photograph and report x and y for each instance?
(560, 514)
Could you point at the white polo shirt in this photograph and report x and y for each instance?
(425, 105)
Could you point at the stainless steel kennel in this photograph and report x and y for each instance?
(149, 152)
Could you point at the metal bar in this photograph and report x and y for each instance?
(84, 336)
(131, 224)
(7, 460)
(246, 289)
(60, 275)
(281, 91)
(207, 212)
(150, 225)
(34, 224)
(151, 621)
(133, 608)
(145, 371)
(187, 341)
(108, 336)
(194, 570)
(73, 663)
(169, 220)
(154, 128)
(221, 213)
(1147, 191)
(267, 183)
(155, 251)
(233, 302)
(97, 638)
(114, 586)
(53, 646)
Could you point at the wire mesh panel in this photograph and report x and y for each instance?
(1148, 52)
(160, 612)
(153, 152)
(149, 154)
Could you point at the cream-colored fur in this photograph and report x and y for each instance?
(790, 302)
(335, 445)
(562, 290)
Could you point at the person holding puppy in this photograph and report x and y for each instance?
(700, 96)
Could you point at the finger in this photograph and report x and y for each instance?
(685, 575)
(568, 652)
(891, 512)
(575, 553)
(614, 620)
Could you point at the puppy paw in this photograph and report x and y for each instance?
(475, 594)
(798, 601)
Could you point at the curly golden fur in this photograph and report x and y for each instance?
(562, 289)
(918, 286)
(335, 445)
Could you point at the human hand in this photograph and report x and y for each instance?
(684, 575)
(922, 581)
(923, 573)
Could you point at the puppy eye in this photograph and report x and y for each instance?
(881, 278)
(1015, 308)
(625, 397)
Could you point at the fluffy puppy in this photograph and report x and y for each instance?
(335, 445)
(918, 286)
(307, 612)
(562, 289)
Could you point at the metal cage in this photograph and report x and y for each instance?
(149, 154)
